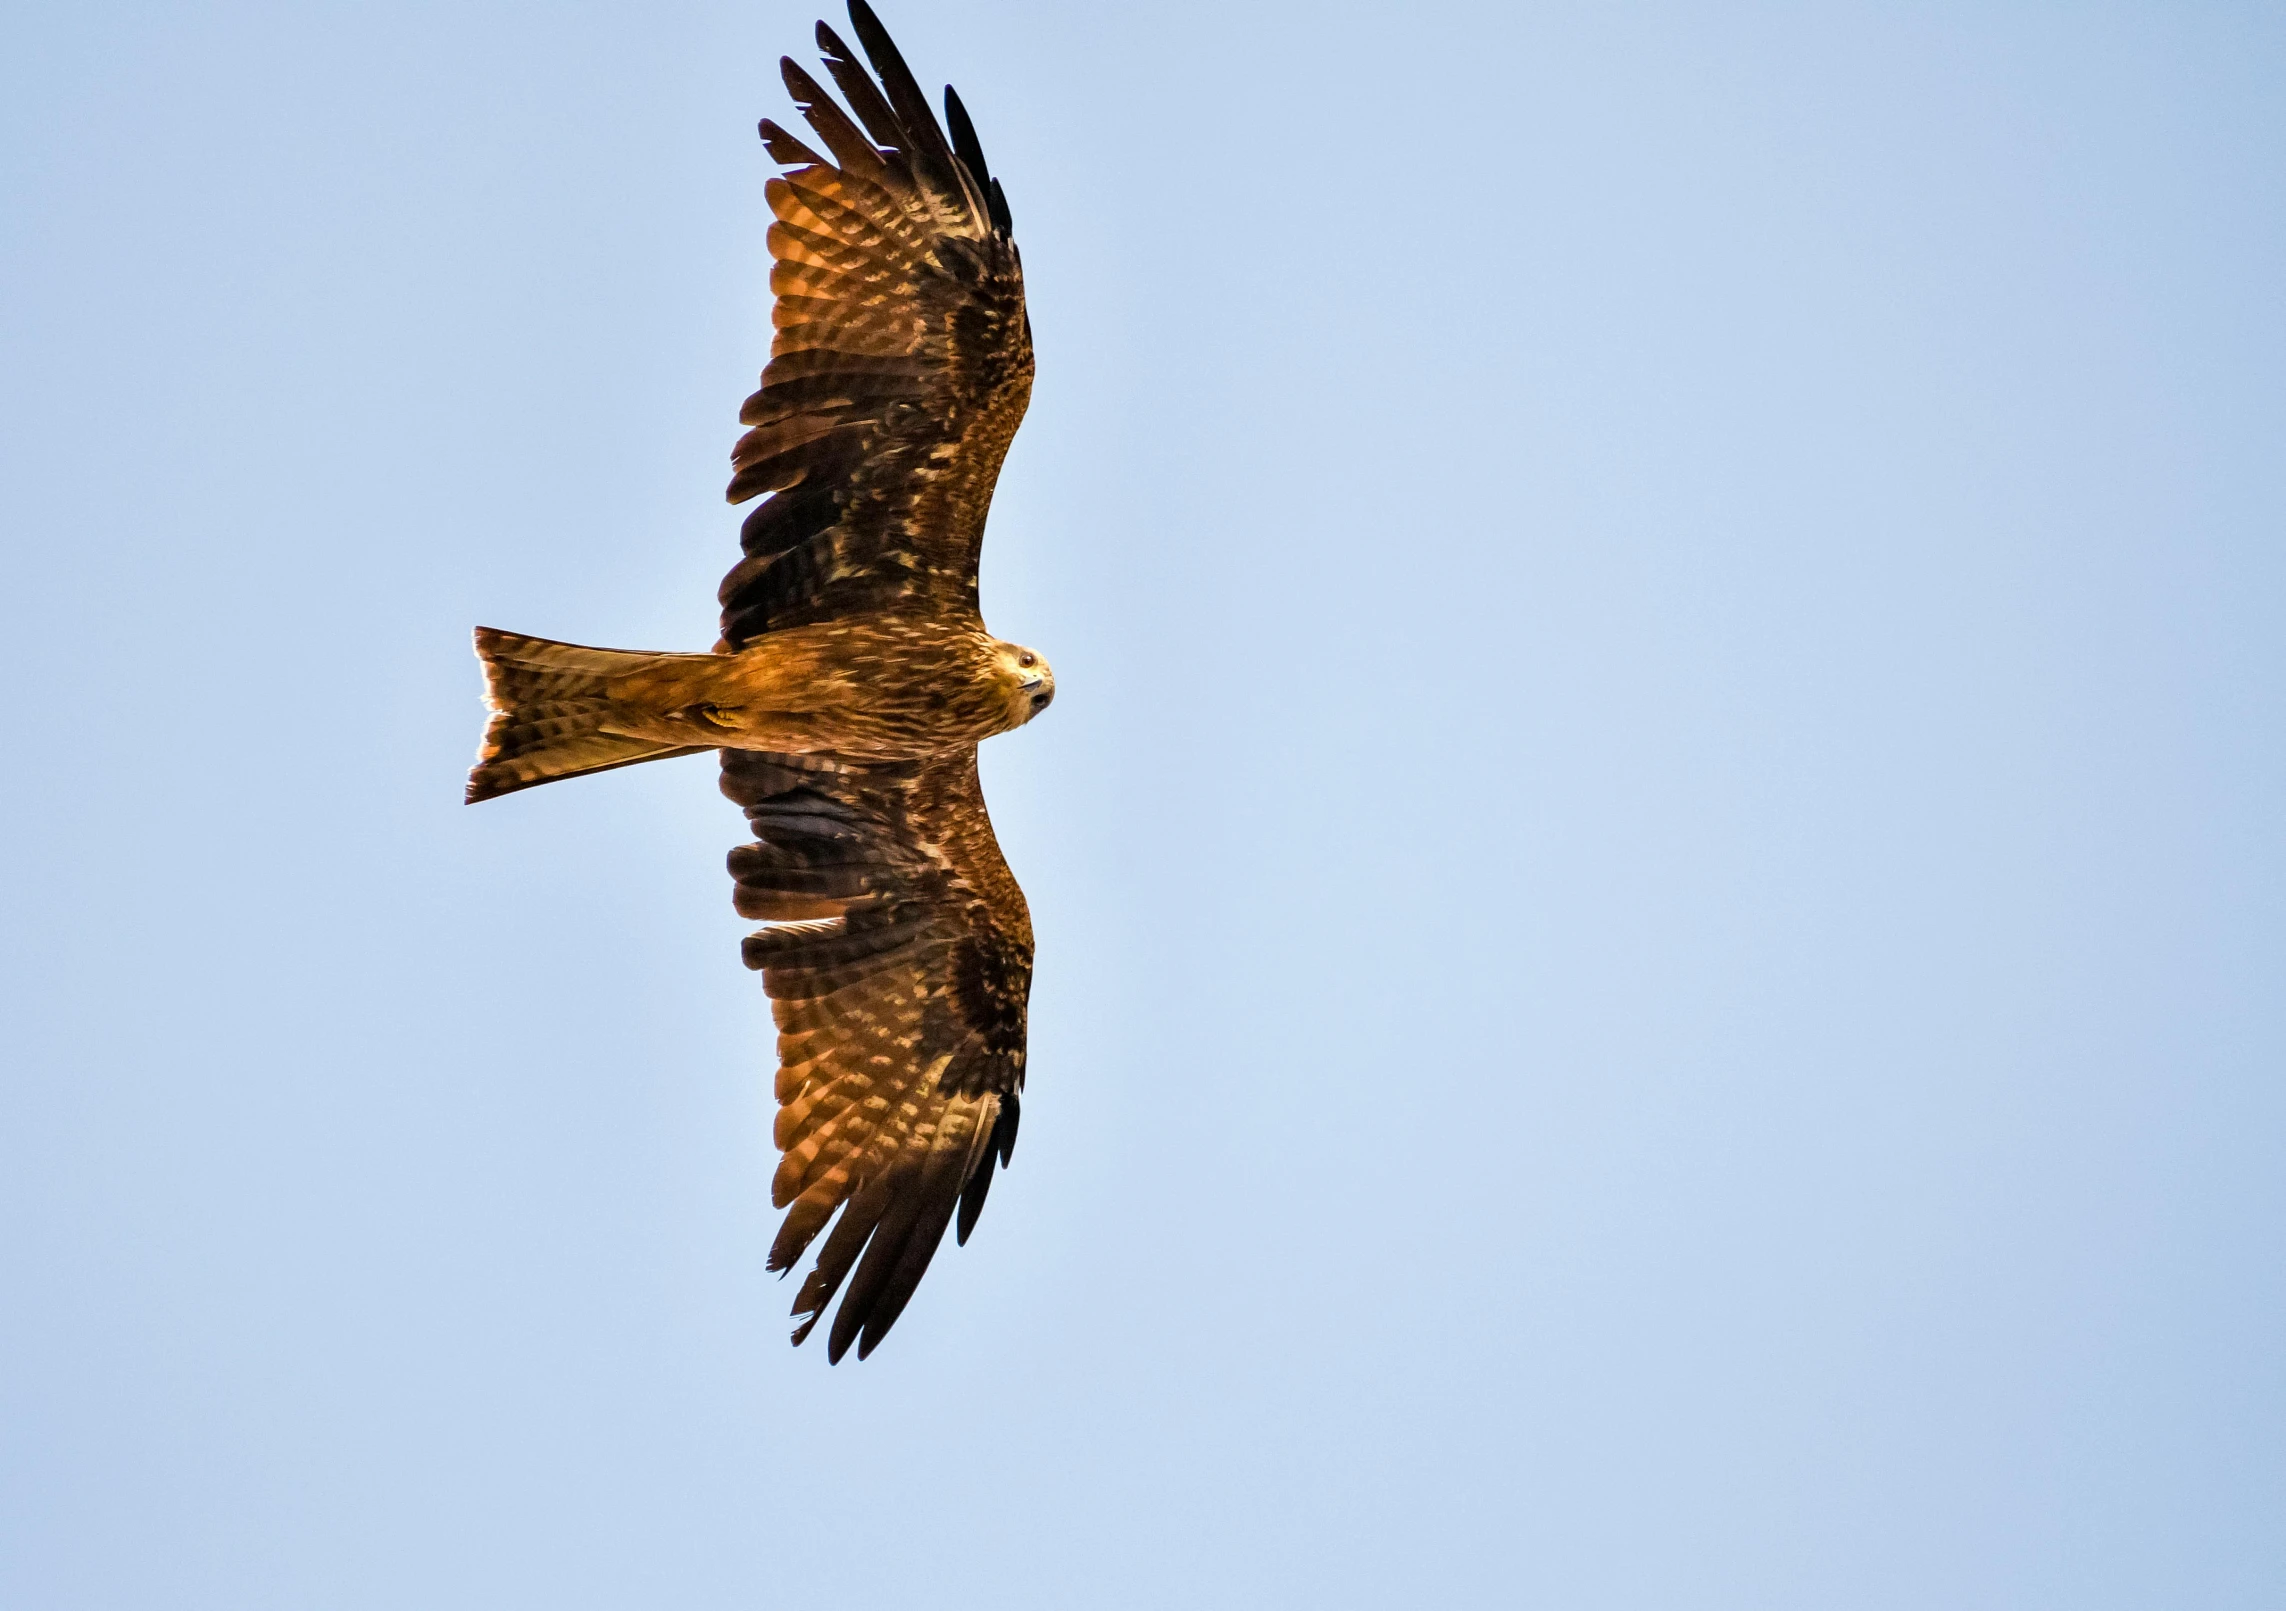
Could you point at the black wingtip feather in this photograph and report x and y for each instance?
(784, 148)
(972, 1196)
(997, 1151)
(966, 146)
(1004, 1132)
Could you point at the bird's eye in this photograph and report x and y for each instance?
(1027, 659)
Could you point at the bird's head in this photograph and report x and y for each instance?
(1030, 684)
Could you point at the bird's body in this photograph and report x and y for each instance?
(851, 685)
(886, 687)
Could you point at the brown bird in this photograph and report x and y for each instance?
(852, 684)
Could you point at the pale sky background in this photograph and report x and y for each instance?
(1661, 866)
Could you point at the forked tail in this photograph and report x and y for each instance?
(549, 705)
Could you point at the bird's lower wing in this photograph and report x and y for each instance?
(898, 958)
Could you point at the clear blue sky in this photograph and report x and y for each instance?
(1661, 866)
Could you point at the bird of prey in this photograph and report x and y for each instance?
(852, 683)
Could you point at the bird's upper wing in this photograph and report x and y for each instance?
(902, 360)
(899, 965)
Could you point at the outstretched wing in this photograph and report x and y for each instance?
(902, 360)
(899, 964)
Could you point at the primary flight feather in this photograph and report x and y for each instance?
(852, 683)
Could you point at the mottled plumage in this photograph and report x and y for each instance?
(852, 682)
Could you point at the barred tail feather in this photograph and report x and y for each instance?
(549, 703)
